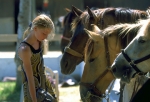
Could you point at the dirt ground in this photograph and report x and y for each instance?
(69, 94)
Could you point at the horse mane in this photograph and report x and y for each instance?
(125, 31)
(67, 16)
(124, 15)
(145, 29)
(83, 18)
(88, 49)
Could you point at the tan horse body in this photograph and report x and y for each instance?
(115, 44)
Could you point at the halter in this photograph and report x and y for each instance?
(92, 86)
(73, 52)
(134, 62)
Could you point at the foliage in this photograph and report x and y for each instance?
(9, 92)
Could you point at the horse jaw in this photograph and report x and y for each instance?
(68, 63)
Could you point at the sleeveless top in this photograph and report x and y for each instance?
(38, 72)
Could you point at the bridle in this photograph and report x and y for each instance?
(73, 52)
(133, 63)
(92, 86)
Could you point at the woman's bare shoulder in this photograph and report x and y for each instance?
(24, 51)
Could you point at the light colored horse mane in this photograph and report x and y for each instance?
(121, 30)
(145, 29)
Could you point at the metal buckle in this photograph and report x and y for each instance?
(132, 63)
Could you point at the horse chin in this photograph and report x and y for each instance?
(126, 80)
(66, 72)
(68, 63)
(86, 96)
(68, 69)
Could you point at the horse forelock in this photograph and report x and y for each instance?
(82, 18)
(79, 23)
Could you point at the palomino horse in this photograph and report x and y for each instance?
(101, 50)
(74, 53)
(67, 33)
(135, 58)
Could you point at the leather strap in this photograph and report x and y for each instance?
(70, 51)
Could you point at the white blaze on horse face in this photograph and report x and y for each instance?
(94, 36)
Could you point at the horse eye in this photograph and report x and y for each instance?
(142, 41)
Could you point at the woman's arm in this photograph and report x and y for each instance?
(25, 55)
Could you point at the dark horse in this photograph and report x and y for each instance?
(67, 33)
(74, 52)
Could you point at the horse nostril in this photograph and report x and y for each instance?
(66, 64)
(114, 68)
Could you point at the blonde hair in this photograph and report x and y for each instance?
(41, 21)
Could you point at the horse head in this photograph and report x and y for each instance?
(74, 52)
(134, 59)
(67, 33)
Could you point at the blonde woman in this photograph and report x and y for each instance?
(30, 53)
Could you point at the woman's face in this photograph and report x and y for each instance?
(42, 33)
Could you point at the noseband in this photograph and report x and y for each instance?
(73, 52)
(134, 62)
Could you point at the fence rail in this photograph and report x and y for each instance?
(13, 37)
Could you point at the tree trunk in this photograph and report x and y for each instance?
(24, 18)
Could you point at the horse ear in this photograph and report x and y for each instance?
(67, 9)
(93, 35)
(95, 28)
(90, 12)
(76, 11)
